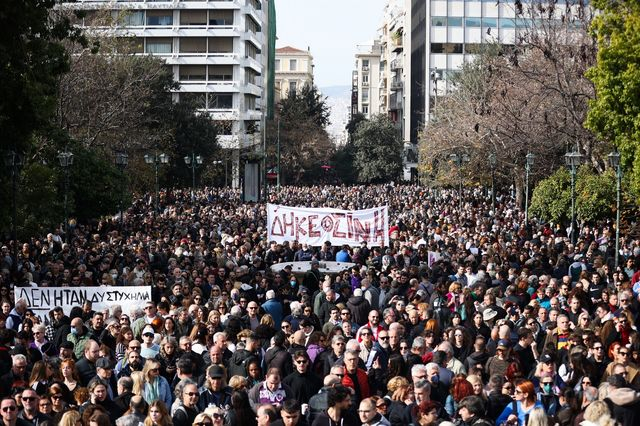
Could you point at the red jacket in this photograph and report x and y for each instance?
(363, 381)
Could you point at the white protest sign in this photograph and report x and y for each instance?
(42, 299)
(314, 226)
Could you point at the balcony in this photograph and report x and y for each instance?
(396, 44)
(365, 68)
(365, 84)
(397, 84)
(396, 64)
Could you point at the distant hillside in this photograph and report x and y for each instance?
(339, 100)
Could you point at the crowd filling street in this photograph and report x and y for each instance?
(469, 317)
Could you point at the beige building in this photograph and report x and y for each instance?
(293, 69)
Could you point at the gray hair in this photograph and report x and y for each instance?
(19, 357)
(180, 387)
(432, 365)
(337, 338)
(446, 347)
(418, 342)
(352, 345)
(218, 335)
(417, 369)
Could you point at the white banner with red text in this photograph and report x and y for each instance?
(314, 226)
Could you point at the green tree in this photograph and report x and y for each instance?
(95, 184)
(304, 142)
(193, 133)
(595, 196)
(378, 156)
(614, 114)
(305, 103)
(353, 124)
(33, 59)
(39, 206)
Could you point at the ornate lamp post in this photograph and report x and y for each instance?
(459, 160)
(572, 160)
(156, 159)
(493, 161)
(14, 162)
(122, 159)
(527, 168)
(193, 162)
(614, 161)
(66, 160)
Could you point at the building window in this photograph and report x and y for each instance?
(446, 47)
(220, 100)
(293, 85)
(193, 17)
(454, 21)
(221, 17)
(193, 72)
(193, 45)
(438, 21)
(220, 72)
(365, 95)
(277, 65)
(365, 109)
(293, 64)
(365, 64)
(130, 18)
(159, 18)
(473, 22)
(365, 78)
(159, 45)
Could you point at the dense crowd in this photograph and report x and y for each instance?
(469, 317)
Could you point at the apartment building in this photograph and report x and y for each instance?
(217, 51)
(365, 94)
(293, 69)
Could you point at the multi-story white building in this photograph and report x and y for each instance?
(293, 69)
(394, 96)
(366, 80)
(217, 51)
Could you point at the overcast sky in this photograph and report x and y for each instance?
(332, 29)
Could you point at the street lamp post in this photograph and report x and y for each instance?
(493, 161)
(66, 160)
(13, 161)
(435, 77)
(614, 161)
(572, 160)
(459, 160)
(193, 162)
(156, 159)
(527, 168)
(122, 159)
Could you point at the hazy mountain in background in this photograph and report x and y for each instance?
(339, 100)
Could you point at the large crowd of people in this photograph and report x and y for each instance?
(469, 317)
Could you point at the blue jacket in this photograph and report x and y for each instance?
(164, 392)
(522, 415)
(274, 308)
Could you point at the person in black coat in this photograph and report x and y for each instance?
(278, 357)
(303, 382)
